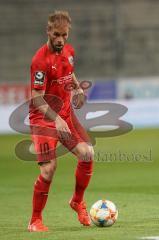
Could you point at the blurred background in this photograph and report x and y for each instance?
(116, 44)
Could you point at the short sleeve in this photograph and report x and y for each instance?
(72, 51)
(38, 75)
(72, 56)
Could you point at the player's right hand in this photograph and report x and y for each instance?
(62, 128)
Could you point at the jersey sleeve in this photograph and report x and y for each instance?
(38, 74)
(72, 51)
(72, 55)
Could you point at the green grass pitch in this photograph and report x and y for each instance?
(132, 184)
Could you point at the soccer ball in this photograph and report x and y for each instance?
(103, 213)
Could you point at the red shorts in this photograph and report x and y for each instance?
(45, 137)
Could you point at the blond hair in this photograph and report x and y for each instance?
(58, 18)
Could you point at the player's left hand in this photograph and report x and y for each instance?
(78, 98)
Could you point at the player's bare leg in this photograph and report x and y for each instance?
(40, 195)
(84, 153)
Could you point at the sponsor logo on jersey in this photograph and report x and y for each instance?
(39, 77)
(63, 80)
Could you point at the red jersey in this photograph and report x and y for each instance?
(52, 72)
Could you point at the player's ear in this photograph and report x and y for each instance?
(48, 28)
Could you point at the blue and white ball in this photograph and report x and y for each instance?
(103, 213)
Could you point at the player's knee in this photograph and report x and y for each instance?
(48, 170)
(86, 153)
(92, 152)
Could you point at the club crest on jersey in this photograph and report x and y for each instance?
(39, 77)
(70, 59)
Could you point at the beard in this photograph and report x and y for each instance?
(57, 47)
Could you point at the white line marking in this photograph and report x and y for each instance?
(150, 238)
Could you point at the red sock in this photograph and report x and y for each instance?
(83, 176)
(40, 195)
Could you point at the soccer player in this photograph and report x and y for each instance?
(52, 119)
